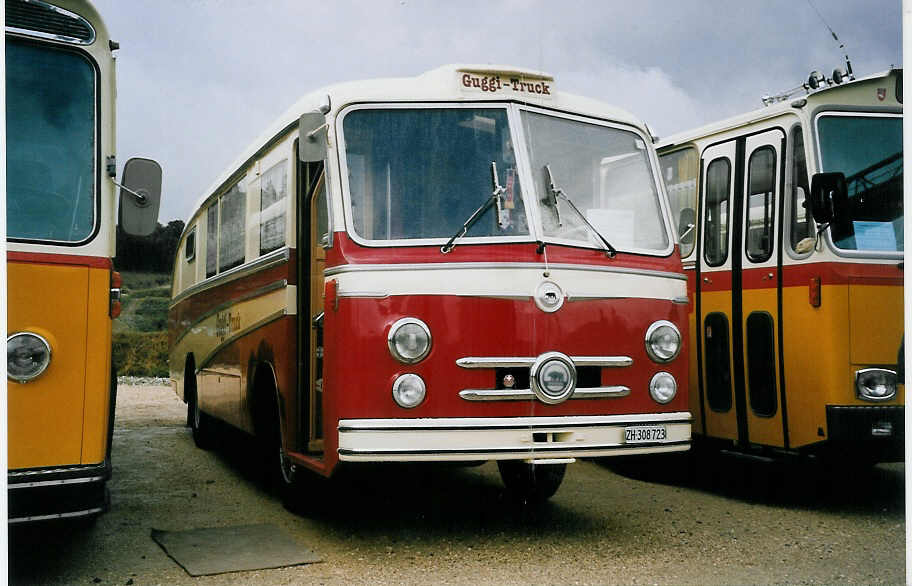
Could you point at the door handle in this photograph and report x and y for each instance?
(707, 280)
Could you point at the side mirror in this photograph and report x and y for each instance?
(140, 196)
(828, 194)
(312, 137)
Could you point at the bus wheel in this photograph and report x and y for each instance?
(531, 483)
(281, 474)
(201, 424)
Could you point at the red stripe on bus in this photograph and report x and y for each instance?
(99, 262)
(843, 273)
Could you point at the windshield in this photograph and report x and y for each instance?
(605, 172)
(50, 144)
(868, 150)
(421, 173)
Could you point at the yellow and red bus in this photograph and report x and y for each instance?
(467, 265)
(791, 226)
(62, 291)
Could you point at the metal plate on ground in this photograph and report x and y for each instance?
(217, 550)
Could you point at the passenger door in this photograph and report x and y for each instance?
(738, 289)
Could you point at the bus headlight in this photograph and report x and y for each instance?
(27, 356)
(409, 390)
(663, 341)
(875, 384)
(663, 387)
(409, 340)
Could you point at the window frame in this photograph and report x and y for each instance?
(728, 211)
(769, 207)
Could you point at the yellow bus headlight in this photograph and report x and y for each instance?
(875, 384)
(27, 356)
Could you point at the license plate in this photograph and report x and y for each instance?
(644, 434)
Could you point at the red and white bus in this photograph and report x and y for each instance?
(467, 265)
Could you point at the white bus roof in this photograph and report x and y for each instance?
(822, 96)
(443, 84)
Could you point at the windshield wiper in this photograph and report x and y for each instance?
(556, 192)
(494, 200)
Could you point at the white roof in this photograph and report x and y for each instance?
(440, 84)
(771, 111)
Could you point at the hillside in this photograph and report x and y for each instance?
(140, 336)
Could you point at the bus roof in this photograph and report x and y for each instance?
(449, 83)
(844, 93)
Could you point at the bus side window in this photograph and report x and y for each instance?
(273, 189)
(718, 188)
(190, 246)
(799, 224)
(232, 221)
(760, 204)
(211, 239)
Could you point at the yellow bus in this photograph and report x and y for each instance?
(62, 291)
(791, 226)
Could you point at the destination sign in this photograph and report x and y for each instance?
(521, 86)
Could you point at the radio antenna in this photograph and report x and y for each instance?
(835, 38)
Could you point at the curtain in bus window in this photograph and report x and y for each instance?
(800, 227)
(421, 173)
(211, 240)
(273, 188)
(868, 151)
(232, 216)
(718, 187)
(760, 204)
(50, 144)
(605, 172)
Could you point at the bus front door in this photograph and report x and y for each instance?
(739, 288)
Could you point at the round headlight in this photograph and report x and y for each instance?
(553, 378)
(409, 390)
(27, 356)
(663, 341)
(663, 387)
(875, 384)
(409, 340)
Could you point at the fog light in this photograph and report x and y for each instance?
(553, 377)
(27, 356)
(408, 390)
(875, 384)
(663, 387)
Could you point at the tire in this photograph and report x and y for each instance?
(281, 476)
(202, 425)
(531, 483)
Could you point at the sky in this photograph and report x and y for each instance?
(199, 80)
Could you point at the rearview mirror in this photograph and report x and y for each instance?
(311, 137)
(140, 196)
(828, 195)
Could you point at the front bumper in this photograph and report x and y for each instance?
(875, 432)
(43, 494)
(506, 438)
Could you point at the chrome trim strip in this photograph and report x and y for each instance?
(71, 515)
(364, 294)
(521, 452)
(341, 269)
(239, 334)
(268, 261)
(523, 361)
(12, 475)
(55, 482)
(482, 423)
(681, 300)
(245, 297)
(527, 394)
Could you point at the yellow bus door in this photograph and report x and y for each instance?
(714, 293)
(738, 289)
(760, 287)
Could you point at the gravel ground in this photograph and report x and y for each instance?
(669, 523)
